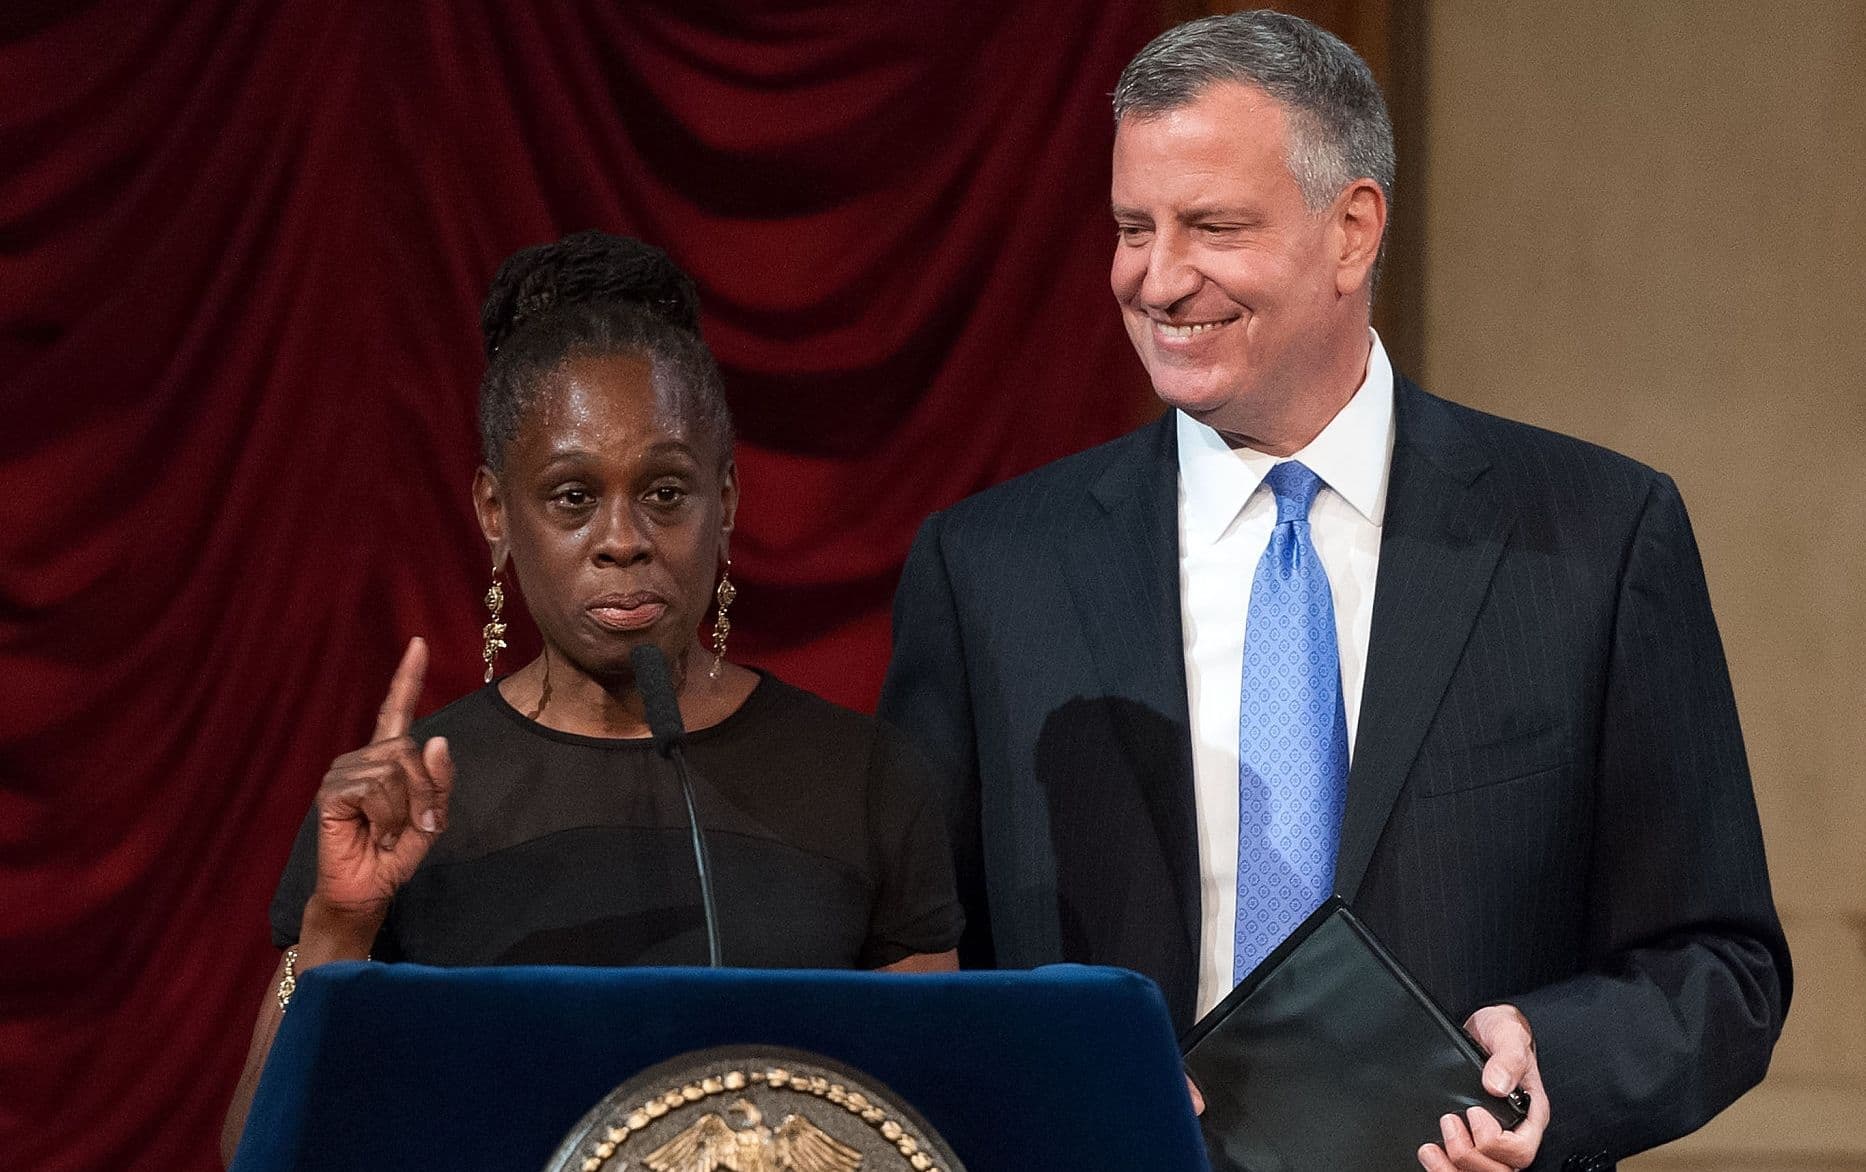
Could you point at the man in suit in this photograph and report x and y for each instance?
(1318, 630)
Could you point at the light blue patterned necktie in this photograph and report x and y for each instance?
(1292, 732)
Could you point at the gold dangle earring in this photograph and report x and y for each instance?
(723, 595)
(493, 633)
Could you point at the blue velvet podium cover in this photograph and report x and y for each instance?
(403, 1066)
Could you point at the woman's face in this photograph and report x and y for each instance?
(615, 513)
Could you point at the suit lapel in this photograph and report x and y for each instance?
(1123, 560)
(1439, 546)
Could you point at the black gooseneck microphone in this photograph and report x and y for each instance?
(663, 711)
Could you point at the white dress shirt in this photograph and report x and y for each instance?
(1224, 528)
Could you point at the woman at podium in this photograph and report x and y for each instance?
(532, 821)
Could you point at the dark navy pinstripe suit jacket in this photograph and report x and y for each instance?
(1549, 802)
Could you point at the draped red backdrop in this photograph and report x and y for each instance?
(242, 246)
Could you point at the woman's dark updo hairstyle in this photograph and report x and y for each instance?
(594, 295)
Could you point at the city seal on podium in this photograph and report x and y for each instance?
(752, 1109)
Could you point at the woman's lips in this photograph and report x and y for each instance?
(627, 613)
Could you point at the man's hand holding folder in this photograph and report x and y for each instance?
(1476, 1142)
(1329, 1055)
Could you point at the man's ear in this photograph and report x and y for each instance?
(1360, 221)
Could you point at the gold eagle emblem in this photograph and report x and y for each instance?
(797, 1145)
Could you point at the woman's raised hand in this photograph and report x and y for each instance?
(382, 806)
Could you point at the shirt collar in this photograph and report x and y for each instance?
(1352, 455)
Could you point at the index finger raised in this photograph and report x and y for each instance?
(397, 713)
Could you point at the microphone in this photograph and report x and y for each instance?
(657, 698)
(664, 724)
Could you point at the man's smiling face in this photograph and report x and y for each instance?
(1227, 281)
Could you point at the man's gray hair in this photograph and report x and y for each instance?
(1339, 130)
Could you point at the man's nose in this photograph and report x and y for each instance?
(1171, 277)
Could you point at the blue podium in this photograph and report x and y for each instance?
(402, 1066)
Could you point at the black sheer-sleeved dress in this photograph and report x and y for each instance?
(828, 847)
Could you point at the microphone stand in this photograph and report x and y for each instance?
(670, 733)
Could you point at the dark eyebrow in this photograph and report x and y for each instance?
(1194, 215)
(1197, 215)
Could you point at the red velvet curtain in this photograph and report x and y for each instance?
(241, 250)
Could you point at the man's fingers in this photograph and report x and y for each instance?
(437, 788)
(1529, 1132)
(1511, 1149)
(1484, 1128)
(1504, 1071)
(1537, 1120)
(398, 708)
(1463, 1153)
(1504, 1034)
(1433, 1159)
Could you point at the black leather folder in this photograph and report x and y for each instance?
(1329, 1057)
